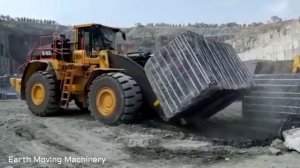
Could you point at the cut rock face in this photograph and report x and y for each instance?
(292, 139)
(196, 75)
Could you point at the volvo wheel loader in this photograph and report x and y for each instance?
(189, 75)
(88, 71)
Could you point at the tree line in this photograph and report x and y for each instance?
(273, 19)
(7, 18)
(200, 25)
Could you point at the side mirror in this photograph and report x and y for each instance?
(123, 35)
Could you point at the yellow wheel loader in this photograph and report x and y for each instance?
(88, 71)
(191, 74)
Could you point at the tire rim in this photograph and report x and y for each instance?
(38, 94)
(106, 101)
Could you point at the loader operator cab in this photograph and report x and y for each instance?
(95, 37)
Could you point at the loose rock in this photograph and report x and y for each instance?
(274, 151)
(278, 144)
(292, 139)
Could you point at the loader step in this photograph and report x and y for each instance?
(285, 101)
(276, 76)
(273, 94)
(281, 81)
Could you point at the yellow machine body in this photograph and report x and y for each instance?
(83, 65)
(75, 71)
(16, 84)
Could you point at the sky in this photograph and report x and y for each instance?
(125, 13)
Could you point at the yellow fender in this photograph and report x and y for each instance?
(30, 69)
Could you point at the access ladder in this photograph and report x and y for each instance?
(66, 85)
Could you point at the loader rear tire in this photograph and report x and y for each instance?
(41, 94)
(114, 98)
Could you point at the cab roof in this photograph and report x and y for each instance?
(97, 25)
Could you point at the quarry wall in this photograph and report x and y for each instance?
(281, 44)
(16, 39)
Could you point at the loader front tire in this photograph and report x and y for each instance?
(114, 98)
(41, 94)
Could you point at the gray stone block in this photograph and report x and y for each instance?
(192, 74)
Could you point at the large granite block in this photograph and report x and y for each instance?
(191, 69)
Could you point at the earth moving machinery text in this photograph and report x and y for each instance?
(189, 76)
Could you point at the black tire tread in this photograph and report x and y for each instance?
(53, 105)
(132, 96)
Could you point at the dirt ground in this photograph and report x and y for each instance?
(223, 141)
